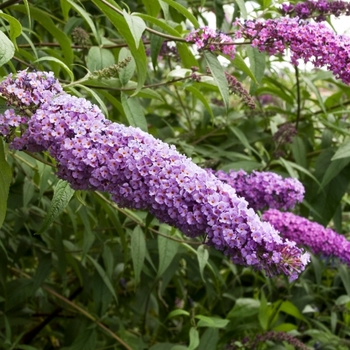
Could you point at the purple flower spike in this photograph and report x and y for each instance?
(142, 172)
(320, 239)
(264, 189)
(311, 42)
(206, 38)
(317, 9)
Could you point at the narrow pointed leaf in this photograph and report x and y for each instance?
(133, 111)
(7, 49)
(61, 197)
(104, 276)
(219, 76)
(136, 25)
(5, 181)
(138, 251)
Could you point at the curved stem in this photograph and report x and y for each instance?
(78, 308)
(298, 97)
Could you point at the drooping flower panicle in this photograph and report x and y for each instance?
(321, 240)
(139, 171)
(310, 42)
(264, 190)
(316, 9)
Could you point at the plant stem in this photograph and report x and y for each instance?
(298, 97)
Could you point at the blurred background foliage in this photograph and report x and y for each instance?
(100, 277)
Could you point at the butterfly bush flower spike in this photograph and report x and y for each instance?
(321, 240)
(310, 42)
(316, 9)
(264, 190)
(142, 172)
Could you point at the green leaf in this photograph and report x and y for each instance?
(138, 251)
(342, 300)
(7, 49)
(152, 7)
(219, 76)
(244, 307)
(139, 52)
(201, 97)
(285, 327)
(299, 151)
(133, 111)
(5, 181)
(159, 22)
(334, 168)
(202, 256)
(187, 58)
(104, 276)
(178, 312)
(290, 309)
(344, 275)
(257, 62)
(99, 58)
(241, 5)
(290, 166)
(61, 197)
(242, 66)
(209, 339)
(136, 25)
(263, 312)
(316, 91)
(15, 27)
(213, 322)
(62, 64)
(87, 18)
(343, 151)
(194, 339)
(243, 139)
(42, 271)
(167, 249)
(127, 72)
(28, 191)
(183, 11)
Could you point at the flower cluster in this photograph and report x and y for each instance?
(236, 87)
(264, 189)
(26, 92)
(140, 171)
(316, 9)
(311, 42)
(318, 238)
(206, 38)
(285, 134)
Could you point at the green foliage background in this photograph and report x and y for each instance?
(77, 272)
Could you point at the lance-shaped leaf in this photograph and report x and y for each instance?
(136, 25)
(61, 197)
(138, 251)
(219, 76)
(133, 111)
(5, 181)
(7, 49)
